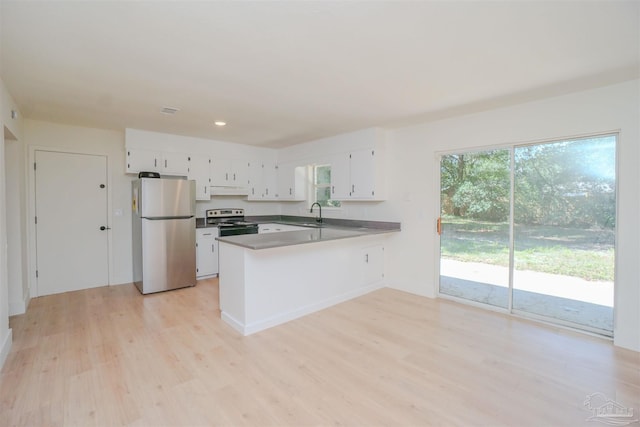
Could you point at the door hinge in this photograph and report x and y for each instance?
(36, 218)
(439, 226)
(36, 274)
(34, 165)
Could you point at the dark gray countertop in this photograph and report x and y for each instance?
(313, 234)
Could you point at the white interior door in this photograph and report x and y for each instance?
(71, 208)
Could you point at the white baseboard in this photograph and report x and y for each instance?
(233, 322)
(297, 313)
(6, 347)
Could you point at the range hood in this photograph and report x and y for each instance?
(228, 191)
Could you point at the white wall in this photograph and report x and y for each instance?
(110, 143)
(10, 129)
(15, 161)
(414, 174)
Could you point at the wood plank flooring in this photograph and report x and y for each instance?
(111, 357)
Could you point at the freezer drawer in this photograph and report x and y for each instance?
(168, 254)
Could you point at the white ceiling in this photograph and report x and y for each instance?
(285, 72)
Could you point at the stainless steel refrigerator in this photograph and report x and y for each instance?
(164, 234)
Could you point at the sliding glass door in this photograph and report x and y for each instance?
(531, 229)
(474, 226)
(565, 211)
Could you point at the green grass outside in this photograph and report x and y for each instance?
(588, 254)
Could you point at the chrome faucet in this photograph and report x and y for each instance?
(318, 218)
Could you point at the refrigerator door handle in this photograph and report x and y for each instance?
(164, 218)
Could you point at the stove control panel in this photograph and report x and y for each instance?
(224, 213)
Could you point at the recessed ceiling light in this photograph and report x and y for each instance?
(219, 123)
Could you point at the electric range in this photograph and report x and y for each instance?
(230, 222)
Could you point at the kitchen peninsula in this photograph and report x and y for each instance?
(269, 279)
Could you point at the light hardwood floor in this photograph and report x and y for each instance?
(110, 357)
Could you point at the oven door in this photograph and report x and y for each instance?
(238, 229)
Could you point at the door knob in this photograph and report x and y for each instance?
(102, 228)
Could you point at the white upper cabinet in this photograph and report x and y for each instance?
(341, 176)
(263, 180)
(199, 170)
(357, 175)
(143, 161)
(229, 173)
(363, 174)
(240, 173)
(221, 168)
(168, 163)
(270, 180)
(175, 164)
(291, 182)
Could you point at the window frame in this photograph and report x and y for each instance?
(313, 187)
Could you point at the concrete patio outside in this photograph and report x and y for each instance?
(556, 296)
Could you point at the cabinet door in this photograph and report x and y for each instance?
(175, 164)
(291, 180)
(267, 228)
(341, 177)
(206, 252)
(220, 172)
(199, 171)
(285, 182)
(263, 181)
(269, 181)
(363, 174)
(240, 173)
(143, 161)
(255, 180)
(373, 258)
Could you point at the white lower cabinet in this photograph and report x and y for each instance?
(206, 252)
(373, 258)
(277, 228)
